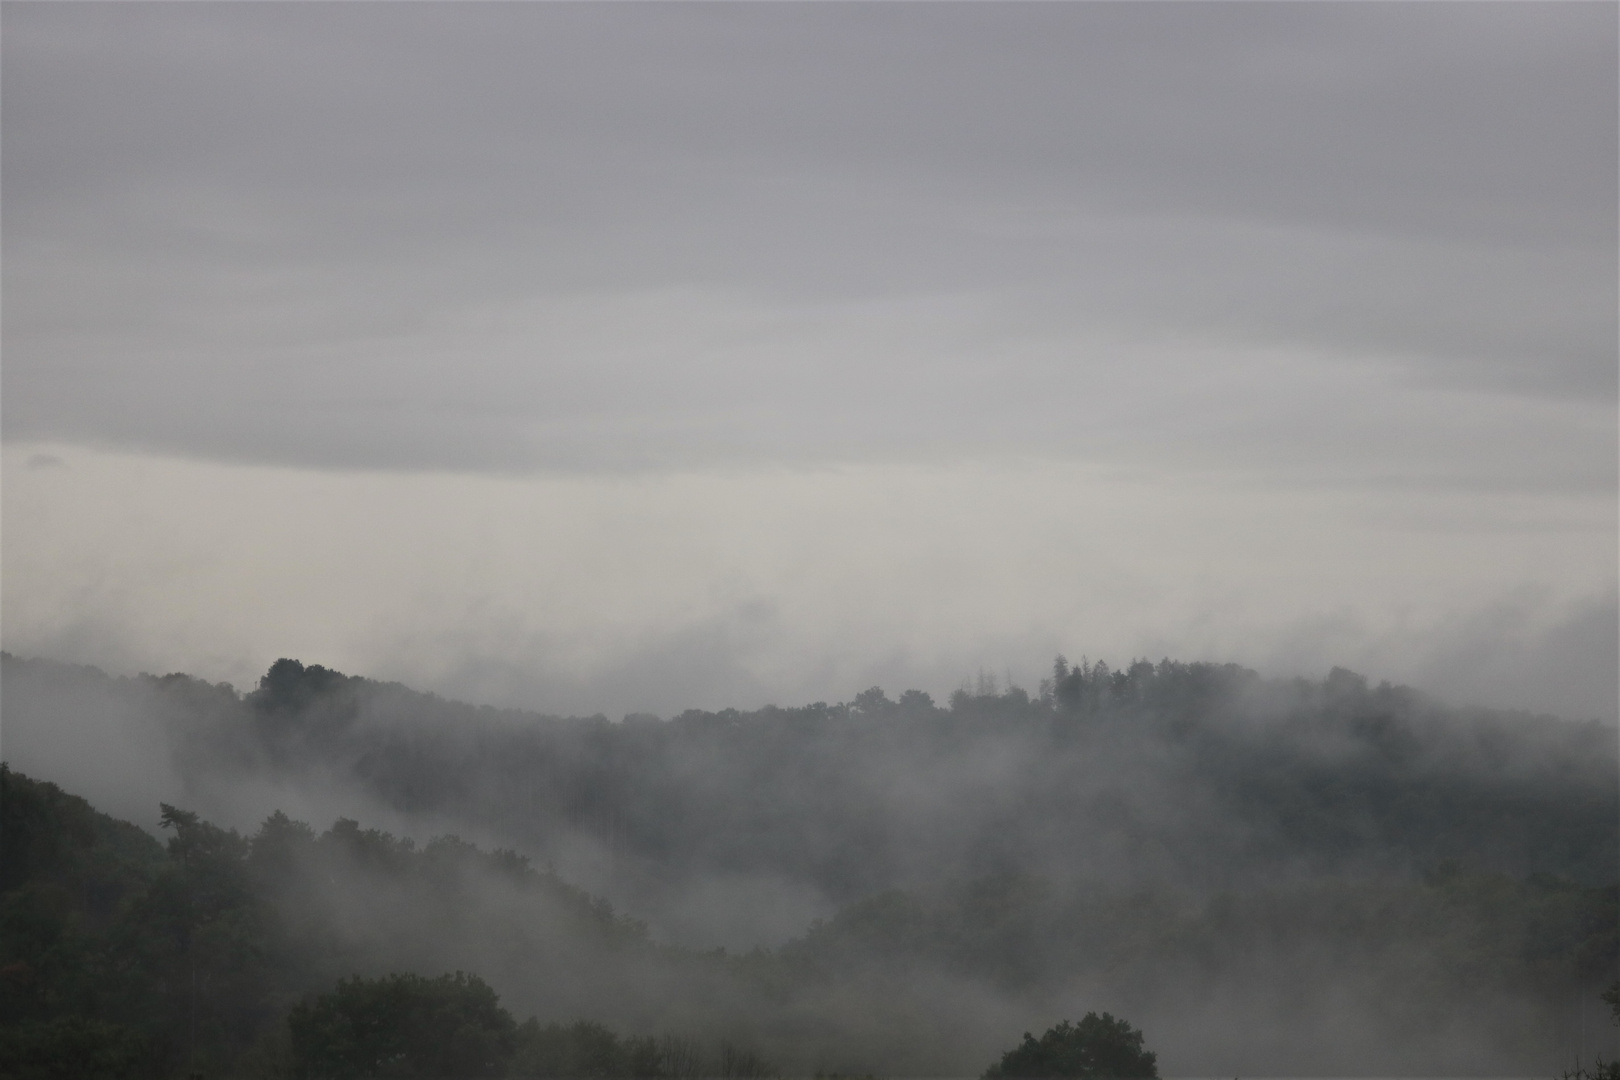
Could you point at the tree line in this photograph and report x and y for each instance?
(260, 954)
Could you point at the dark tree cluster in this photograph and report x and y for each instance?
(1178, 832)
(1099, 1047)
(1335, 775)
(119, 957)
(404, 1025)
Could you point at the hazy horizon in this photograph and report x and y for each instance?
(633, 359)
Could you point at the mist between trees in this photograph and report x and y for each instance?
(1285, 878)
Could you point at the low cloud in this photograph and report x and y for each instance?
(655, 594)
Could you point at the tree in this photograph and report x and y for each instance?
(1097, 1047)
(204, 936)
(74, 1048)
(873, 702)
(584, 1050)
(403, 1026)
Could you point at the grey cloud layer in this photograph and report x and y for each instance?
(515, 235)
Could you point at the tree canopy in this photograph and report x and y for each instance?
(402, 1025)
(1099, 1047)
(1119, 830)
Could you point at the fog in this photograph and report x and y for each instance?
(638, 360)
(658, 593)
(1270, 877)
(670, 444)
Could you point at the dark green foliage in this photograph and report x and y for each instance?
(49, 835)
(1122, 828)
(210, 942)
(70, 876)
(46, 831)
(582, 1049)
(209, 945)
(74, 1048)
(1096, 1048)
(1333, 776)
(453, 1026)
(586, 1050)
(1024, 933)
(289, 686)
(120, 955)
(195, 946)
(195, 952)
(402, 1026)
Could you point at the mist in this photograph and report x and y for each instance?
(751, 586)
(833, 535)
(1252, 870)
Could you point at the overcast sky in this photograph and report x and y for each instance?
(622, 357)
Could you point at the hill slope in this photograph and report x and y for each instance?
(1284, 877)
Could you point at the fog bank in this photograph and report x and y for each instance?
(662, 592)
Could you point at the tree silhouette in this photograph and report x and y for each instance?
(1097, 1047)
(403, 1025)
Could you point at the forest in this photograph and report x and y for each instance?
(1265, 877)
